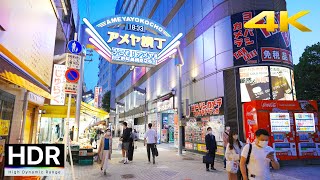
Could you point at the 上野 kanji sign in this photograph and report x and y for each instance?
(131, 40)
(207, 108)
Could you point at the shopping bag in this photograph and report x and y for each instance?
(156, 153)
(120, 146)
(207, 159)
(232, 167)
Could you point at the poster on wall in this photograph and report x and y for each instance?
(253, 46)
(280, 122)
(305, 122)
(281, 83)
(254, 83)
(217, 125)
(4, 127)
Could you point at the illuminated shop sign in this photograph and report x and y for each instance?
(207, 108)
(132, 40)
(253, 46)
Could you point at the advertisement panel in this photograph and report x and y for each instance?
(33, 45)
(305, 122)
(281, 83)
(254, 83)
(58, 85)
(280, 122)
(96, 96)
(253, 46)
(207, 108)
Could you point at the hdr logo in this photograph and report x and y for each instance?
(34, 159)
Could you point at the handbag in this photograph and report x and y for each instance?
(156, 153)
(207, 159)
(232, 167)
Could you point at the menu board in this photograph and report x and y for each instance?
(305, 122)
(280, 122)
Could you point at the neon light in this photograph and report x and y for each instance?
(98, 41)
(97, 45)
(167, 56)
(176, 44)
(171, 43)
(104, 55)
(85, 20)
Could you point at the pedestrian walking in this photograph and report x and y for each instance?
(211, 146)
(150, 138)
(125, 142)
(131, 143)
(225, 142)
(105, 150)
(256, 158)
(233, 153)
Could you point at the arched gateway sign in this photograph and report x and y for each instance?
(132, 40)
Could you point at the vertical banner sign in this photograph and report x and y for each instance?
(253, 46)
(96, 96)
(58, 83)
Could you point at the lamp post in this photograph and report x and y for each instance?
(143, 91)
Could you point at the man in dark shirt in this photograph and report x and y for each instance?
(211, 146)
(125, 138)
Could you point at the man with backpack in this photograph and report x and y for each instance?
(256, 158)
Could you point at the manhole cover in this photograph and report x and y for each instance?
(127, 176)
(187, 158)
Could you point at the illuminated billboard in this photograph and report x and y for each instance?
(304, 122)
(281, 83)
(254, 83)
(254, 46)
(132, 40)
(280, 122)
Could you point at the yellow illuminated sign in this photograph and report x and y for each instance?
(145, 41)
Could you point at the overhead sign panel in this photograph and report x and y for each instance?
(132, 40)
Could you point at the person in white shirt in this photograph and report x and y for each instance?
(258, 167)
(150, 138)
(233, 152)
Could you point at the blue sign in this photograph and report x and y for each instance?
(74, 47)
(72, 75)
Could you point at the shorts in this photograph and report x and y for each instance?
(125, 145)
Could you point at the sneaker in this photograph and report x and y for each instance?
(208, 169)
(125, 162)
(213, 168)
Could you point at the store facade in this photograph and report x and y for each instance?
(222, 60)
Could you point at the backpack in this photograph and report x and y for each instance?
(248, 158)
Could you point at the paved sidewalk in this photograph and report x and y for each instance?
(170, 166)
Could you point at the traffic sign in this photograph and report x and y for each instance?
(73, 61)
(74, 47)
(72, 75)
(71, 88)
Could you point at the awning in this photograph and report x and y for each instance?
(11, 72)
(61, 111)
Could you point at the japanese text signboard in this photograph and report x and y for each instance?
(131, 40)
(253, 46)
(58, 83)
(207, 108)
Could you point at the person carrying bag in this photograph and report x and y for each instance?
(233, 153)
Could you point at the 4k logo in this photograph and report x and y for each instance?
(283, 25)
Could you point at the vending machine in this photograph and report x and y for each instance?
(294, 133)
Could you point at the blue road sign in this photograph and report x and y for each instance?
(74, 47)
(72, 75)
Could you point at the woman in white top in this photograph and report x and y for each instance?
(233, 153)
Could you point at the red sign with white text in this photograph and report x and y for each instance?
(207, 108)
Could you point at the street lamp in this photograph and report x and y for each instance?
(143, 91)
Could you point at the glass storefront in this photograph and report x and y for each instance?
(6, 113)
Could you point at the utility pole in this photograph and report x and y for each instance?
(79, 95)
(179, 65)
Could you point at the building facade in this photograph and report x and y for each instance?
(225, 66)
